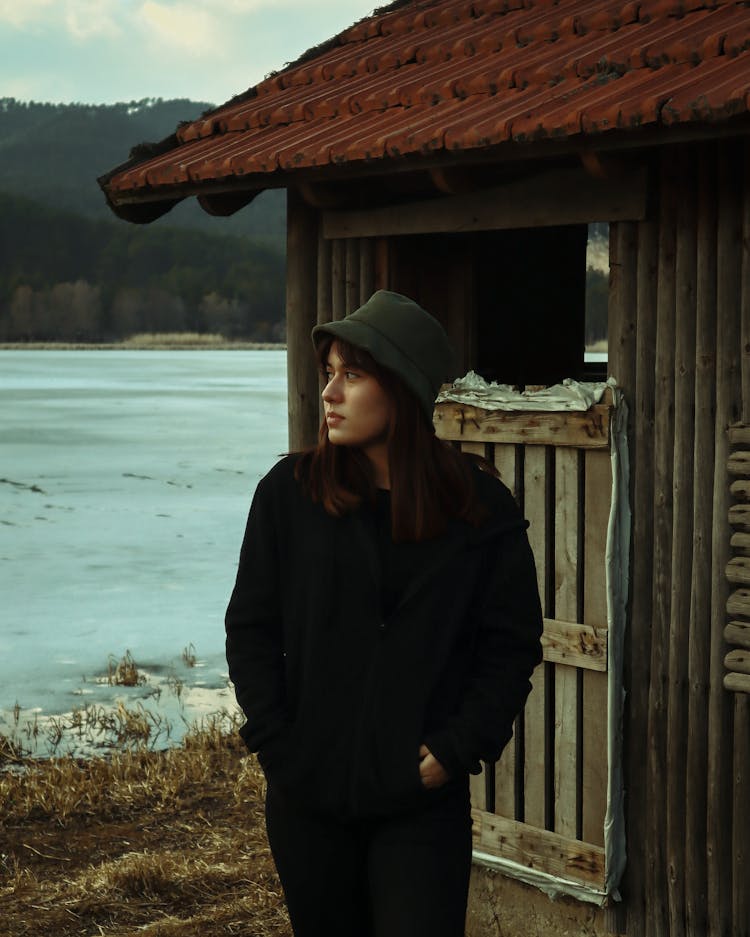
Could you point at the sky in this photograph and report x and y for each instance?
(105, 51)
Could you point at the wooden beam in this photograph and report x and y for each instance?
(540, 850)
(738, 661)
(739, 464)
(738, 570)
(738, 632)
(740, 490)
(584, 429)
(738, 603)
(559, 197)
(740, 542)
(739, 516)
(567, 642)
(737, 682)
(739, 434)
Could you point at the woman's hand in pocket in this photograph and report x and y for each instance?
(432, 773)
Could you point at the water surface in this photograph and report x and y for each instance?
(125, 479)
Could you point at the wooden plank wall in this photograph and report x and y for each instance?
(679, 311)
(544, 801)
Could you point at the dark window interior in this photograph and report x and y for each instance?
(513, 302)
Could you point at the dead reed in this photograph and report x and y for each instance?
(167, 844)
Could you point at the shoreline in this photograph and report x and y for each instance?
(157, 346)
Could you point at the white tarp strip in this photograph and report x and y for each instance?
(472, 390)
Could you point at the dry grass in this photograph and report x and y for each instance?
(158, 843)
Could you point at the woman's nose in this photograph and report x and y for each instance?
(331, 391)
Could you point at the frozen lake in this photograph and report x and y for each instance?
(125, 479)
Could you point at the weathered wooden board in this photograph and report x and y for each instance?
(566, 607)
(540, 850)
(566, 642)
(740, 490)
(506, 461)
(505, 458)
(594, 773)
(589, 429)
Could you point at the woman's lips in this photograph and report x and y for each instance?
(333, 419)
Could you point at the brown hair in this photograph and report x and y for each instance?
(431, 482)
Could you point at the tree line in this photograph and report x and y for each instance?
(64, 277)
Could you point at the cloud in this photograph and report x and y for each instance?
(80, 19)
(89, 19)
(183, 26)
(22, 15)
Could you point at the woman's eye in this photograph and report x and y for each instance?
(351, 374)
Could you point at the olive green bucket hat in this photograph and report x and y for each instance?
(401, 337)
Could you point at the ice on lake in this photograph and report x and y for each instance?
(125, 479)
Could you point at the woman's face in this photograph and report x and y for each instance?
(357, 409)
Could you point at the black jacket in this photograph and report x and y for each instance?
(338, 698)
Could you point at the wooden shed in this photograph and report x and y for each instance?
(457, 151)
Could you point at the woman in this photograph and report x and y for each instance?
(381, 635)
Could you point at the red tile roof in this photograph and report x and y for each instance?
(456, 76)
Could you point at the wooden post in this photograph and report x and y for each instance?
(699, 639)
(657, 917)
(638, 634)
(682, 540)
(719, 815)
(741, 774)
(301, 316)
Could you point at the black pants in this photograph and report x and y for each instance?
(400, 876)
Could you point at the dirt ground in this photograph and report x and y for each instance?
(168, 844)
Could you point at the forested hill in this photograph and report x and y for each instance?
(71, 271)
(64, 277)
(53, 154)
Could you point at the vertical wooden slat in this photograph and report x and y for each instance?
(382, 272)
(338, 279)
(505, 460)
(352, 274)
(302, 314)
(566, 609)
(638, 631)
(682, 540)
(598, 495)
(657, 916)
(366, 269)
(728, 274)
(622, 328)
(741, 773)
(478, 782)
(698, 645)
(535, 488)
